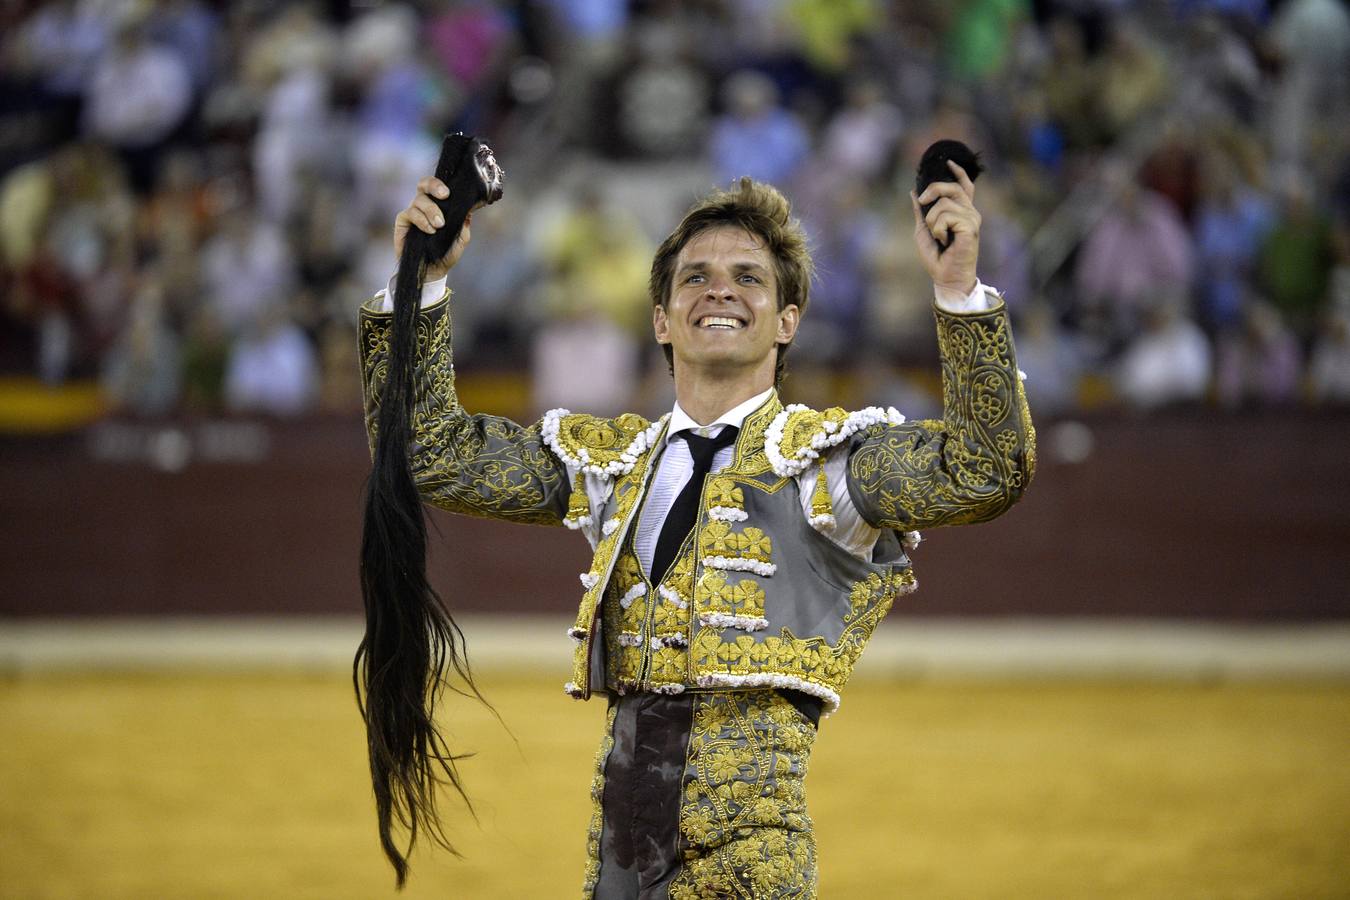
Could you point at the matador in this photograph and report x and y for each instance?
(744, 551)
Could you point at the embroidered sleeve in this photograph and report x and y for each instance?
(478, 465)
(974, 463)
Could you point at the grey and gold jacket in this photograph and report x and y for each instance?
(760, 595)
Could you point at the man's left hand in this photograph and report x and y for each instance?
(955, 221)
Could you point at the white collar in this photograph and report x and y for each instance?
(680, 420)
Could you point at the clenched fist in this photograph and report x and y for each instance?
(423, 214)
(953, 220)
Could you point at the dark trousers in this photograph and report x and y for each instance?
(701, 794)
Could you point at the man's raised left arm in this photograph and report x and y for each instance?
(975, 462)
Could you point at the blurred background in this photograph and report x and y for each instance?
(1132, 685)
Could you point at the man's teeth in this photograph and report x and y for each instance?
(719, 322)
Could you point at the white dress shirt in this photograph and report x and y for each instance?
(674, 466)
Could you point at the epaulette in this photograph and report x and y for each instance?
(798, 436)
(596, 446)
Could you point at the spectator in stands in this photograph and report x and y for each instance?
(1134, 78)
(593, 23)
(1231, 224)
(192, 30)
(61, 44)
(861, 139)
(245, 268)
(400, 96)
(1169, 362)
(296, 129)
(143, 372)
(138, 95)
(1296, 258)
(844, 236)
(1069, 82)
(470, 41)
(1329, 369)
(1312, 92)
(326, 236)
(340, 387)
(900, 313)
(598, 265)
(1041, 137)
(496, 284)
(27, 194)
(272, 368)
(824, 29)
(1004, 255)
(206, 353)
(1051, 360)
(756, 136)
(45, 301)
(599, 259)
(171, 225)
(1260, 364)
(1226, 61)
(1173, 171)
(1139, 253)
(980, 37)
(662, 96)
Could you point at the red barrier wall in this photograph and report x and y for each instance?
(1181, 516)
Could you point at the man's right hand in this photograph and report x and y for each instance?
(423, 213)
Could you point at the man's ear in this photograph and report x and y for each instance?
(660, 324)
(788, 319)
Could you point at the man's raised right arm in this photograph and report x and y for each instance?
(473, 464)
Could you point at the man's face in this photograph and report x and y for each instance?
(722, 313)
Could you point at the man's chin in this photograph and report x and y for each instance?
(715, 361)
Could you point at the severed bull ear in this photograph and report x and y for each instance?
(933, 167)
(411, 644)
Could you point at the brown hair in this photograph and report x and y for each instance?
(761, 210)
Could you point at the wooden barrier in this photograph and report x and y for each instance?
(1188, 515)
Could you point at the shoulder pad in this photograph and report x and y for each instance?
(799, 435)
(599, 446)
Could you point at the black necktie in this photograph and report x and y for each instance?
(680, 519)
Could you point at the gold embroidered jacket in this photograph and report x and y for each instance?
(760, 595)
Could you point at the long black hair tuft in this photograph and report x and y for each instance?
(411, 643)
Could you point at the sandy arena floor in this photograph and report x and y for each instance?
(254, 786)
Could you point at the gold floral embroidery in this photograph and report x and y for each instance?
(743, 820)
(627, 490)
(473, 464)
(719, 539)
(593, 832)
(670, 665)
(624, 660)
(974, 463)
(725, 493)
(785, 660)
(802, 430)
(652, 631)
(741, 598)
(600, 446)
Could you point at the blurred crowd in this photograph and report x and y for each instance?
(196, 197)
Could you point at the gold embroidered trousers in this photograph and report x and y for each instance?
(701, 795)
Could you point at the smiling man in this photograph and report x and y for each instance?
(744, 551)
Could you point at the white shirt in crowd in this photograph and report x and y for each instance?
(136, 99)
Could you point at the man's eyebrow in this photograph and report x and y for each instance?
(744, 266)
